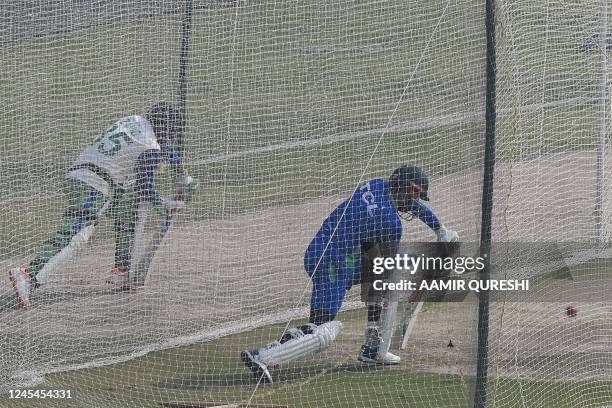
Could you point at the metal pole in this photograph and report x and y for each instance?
(602, 107)
(183, 63)
(487, 207)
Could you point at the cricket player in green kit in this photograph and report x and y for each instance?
(112, 175)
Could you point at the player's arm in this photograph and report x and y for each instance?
(147, 165)
(420, 210)
(172, 156)
(186, 185)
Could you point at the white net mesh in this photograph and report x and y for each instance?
(290, 107)
(550, 58)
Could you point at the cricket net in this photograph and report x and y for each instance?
(290, 107)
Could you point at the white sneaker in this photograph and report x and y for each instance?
(388, 359)
(119, 280)
(371, 356)
(22, 282)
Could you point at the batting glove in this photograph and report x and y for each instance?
(191, 185)
(446, 235)
(186, 187)
(172, 204)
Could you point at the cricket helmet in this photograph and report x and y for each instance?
(402, 176)
(166, 120)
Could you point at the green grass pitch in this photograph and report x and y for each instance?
(204, 372)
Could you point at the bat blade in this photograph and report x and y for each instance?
(410, 319)
(140, 269)
(142, 264)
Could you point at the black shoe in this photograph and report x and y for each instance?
(259, 370)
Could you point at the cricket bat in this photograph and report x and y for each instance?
(139, 271)
(144, 254)
(409, 321)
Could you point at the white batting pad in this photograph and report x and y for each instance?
(321, 338)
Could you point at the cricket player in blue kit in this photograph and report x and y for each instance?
(333, 260)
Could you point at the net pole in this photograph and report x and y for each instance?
(487, 207)
(603, 110)
(183, 63)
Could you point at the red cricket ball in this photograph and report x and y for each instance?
(571, 311)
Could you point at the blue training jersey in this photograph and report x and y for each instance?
(146, 165)
(369, 215)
